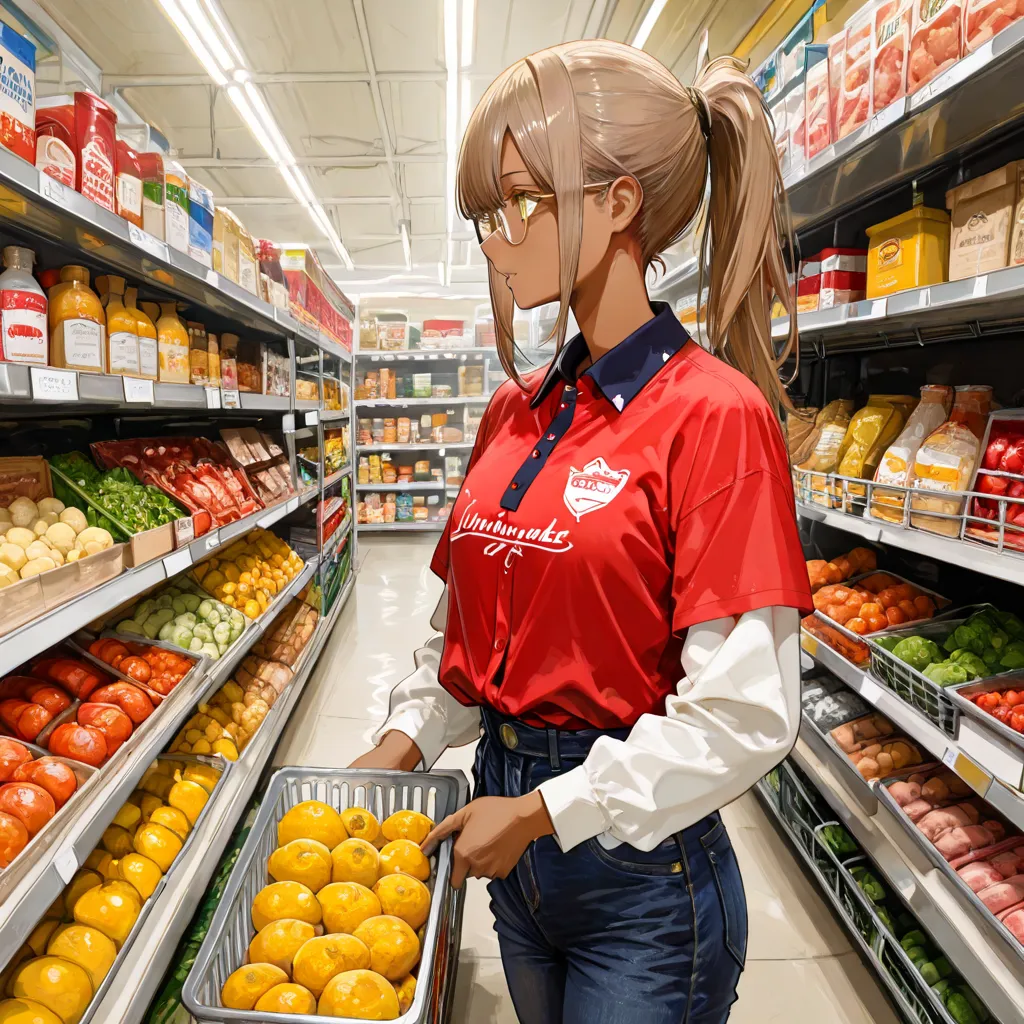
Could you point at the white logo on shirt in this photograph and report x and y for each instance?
(592, 487)
(548, 538)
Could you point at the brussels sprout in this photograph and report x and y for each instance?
(205, 608)
(222, 633)
(185, 619)
(182, 637)
(975, 666)
(237, 619)
(917, 651)
(203, 632)
(196, 645)
(213, 617)
(946, 673)
(236, 632)
(210, 650)
(192, 601)
(167, 630)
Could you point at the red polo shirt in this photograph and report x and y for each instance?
(602, 517)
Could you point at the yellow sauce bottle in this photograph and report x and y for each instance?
(172, 342)
(77, 323)
(122, 328)
(149, 360)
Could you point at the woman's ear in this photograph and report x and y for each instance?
(622, 202)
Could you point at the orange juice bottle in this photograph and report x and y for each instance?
(122, 328)
(172, 342)
(149, 360)
(77, 323)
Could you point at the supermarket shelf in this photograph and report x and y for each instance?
(981, 558)
(429, 446)
(402, 403)
(433, 526)
(427, 354)
(150, 955)
(337, 476)
(327, 415)
(984, 962)
(334, 541)
(37, 884)
(264, 403)
(35, 636)
(416, 485)
(974, 99)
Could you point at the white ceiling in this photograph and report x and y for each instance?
(318, 63)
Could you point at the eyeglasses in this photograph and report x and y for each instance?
(513, 219)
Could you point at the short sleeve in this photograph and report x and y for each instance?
(737, 545)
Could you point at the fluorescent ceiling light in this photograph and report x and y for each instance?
(241, 103)
(451, 115)
(440, 272)
(406, 243)
(464, 102)
(267, 119)
(202, 25)
(652, 15)
(176, 16)
(468, 11)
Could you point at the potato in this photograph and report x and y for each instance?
(7, 576)
(75, 518)
(74, 555)
(36, 566)
(93, 547)
(96, 535)
(38, 549)
(50, 506)
(13, 556)
(39, 527)
(61, 536)
(24, 511)
(20, 536)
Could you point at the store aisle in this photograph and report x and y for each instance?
(800, 966)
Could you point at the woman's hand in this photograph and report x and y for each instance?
(494, 833)
(395, 752)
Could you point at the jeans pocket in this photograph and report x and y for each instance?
(664, 859)
(725, 870)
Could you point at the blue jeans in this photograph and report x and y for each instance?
(597, 936)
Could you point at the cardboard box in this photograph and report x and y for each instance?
(1017, 231)
(981, 219)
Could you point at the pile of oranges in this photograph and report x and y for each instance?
(339, 929)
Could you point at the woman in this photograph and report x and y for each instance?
(623, 572)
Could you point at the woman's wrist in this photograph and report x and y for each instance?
(400, 750)
(534, 815)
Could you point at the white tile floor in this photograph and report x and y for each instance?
(801, 967)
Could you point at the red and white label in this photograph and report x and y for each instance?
(593, 487)
(98, 173)
(24, 327)
(129, 196)
(56, 159)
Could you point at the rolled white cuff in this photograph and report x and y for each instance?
(573, 808)
(423, 725)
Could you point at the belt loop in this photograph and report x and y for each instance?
(553, 756)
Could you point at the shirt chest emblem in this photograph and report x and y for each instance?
(592, 487)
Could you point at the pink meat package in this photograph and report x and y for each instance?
(985, 18)
(199, 473)
(935, 41)
(995, 874)
(889, 58)
(855, 94)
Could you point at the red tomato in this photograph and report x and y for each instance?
(857, 625)
(894, 616)
(994, 452)
(32, 721)
(130, 699)
(54, 776)
(12, 755)
(1013, 458)
(1011, 698)
(992, 484)
(1017, 719)
(925, 606)
(29, 803)
(110, 720)
(16, 686)
(53, 698)
(136, 668)
(1002, 712)
(79, 742)
(10, 712)
(988, 700)
(13, 838)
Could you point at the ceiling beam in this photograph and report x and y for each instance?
(271, 78)
(339, 160)
(332, 200)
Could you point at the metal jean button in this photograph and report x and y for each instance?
(508, 736)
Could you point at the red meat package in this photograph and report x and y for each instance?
(889, 61)
(935, 43)
(816, 109)
(836, 58)
(1000, 474)
(199, 473)
(985, 18)
(855, 93)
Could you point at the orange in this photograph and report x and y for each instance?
(403, 896)
(82, 882)
(281, 900)
(59, 985)
(359, 994)
(346, 905)
(110, 912)
(404, 855)
(320, 959)
(312, 819)
(118, 884)
(406, 992)
(355, 860)
(248, 983)
(189, 798)
(360, 824)
(287, 998)
(158, 843)
(409, 825)
(26, 1011)
(172, 818)
(302, 860)
(278, 943)
(41, 935)
(140, 872)
(117, 841)
(206, 776)
(394, 948)
(87, 947)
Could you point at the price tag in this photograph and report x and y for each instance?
(136, 390)
(211, 540)
(54, 385)
(229, 399)
(981, 286)
(213, 279)
(213, 398)
(53, 190)
(312, 418)
(177, 562)
(288, 423)
(147, 243)
(66, 864)
(870, 690)
(184, 531)
(977, 778)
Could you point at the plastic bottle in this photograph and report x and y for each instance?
(172, 340)
(129, 184)
(122, 328)
(149, 359)
(24, 310)
(78, 325)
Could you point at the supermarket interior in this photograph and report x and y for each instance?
(247, 346)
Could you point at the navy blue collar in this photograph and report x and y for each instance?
(622, 372)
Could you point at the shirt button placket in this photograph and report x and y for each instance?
(503, 609)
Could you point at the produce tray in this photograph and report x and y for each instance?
(974, 906)
(217, 765)
(436, 794)
(978, 528)
(857, 785)
(141, 547)
(996, 684)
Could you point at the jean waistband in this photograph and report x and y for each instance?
(554, 745)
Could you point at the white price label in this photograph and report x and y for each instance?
(229, 399)
(177, 562)
(213, 398)
(184, 531)
(870, 690)
(211, 540)
(312, 418)
(53, 190)
(213, 279)
(288, 423)
(66, 864)
(949, 757)
(981, 286)
(147, 243)
(136, 390)
(54, 385)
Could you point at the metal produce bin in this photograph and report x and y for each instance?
(436, 794)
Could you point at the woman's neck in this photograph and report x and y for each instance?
(611, 303)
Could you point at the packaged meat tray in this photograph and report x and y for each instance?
(998, 507)
(984, 19)
(981, 855)
(829, 703)
(935, 42)
(855, 96)
(872, 746)
(889, 57)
